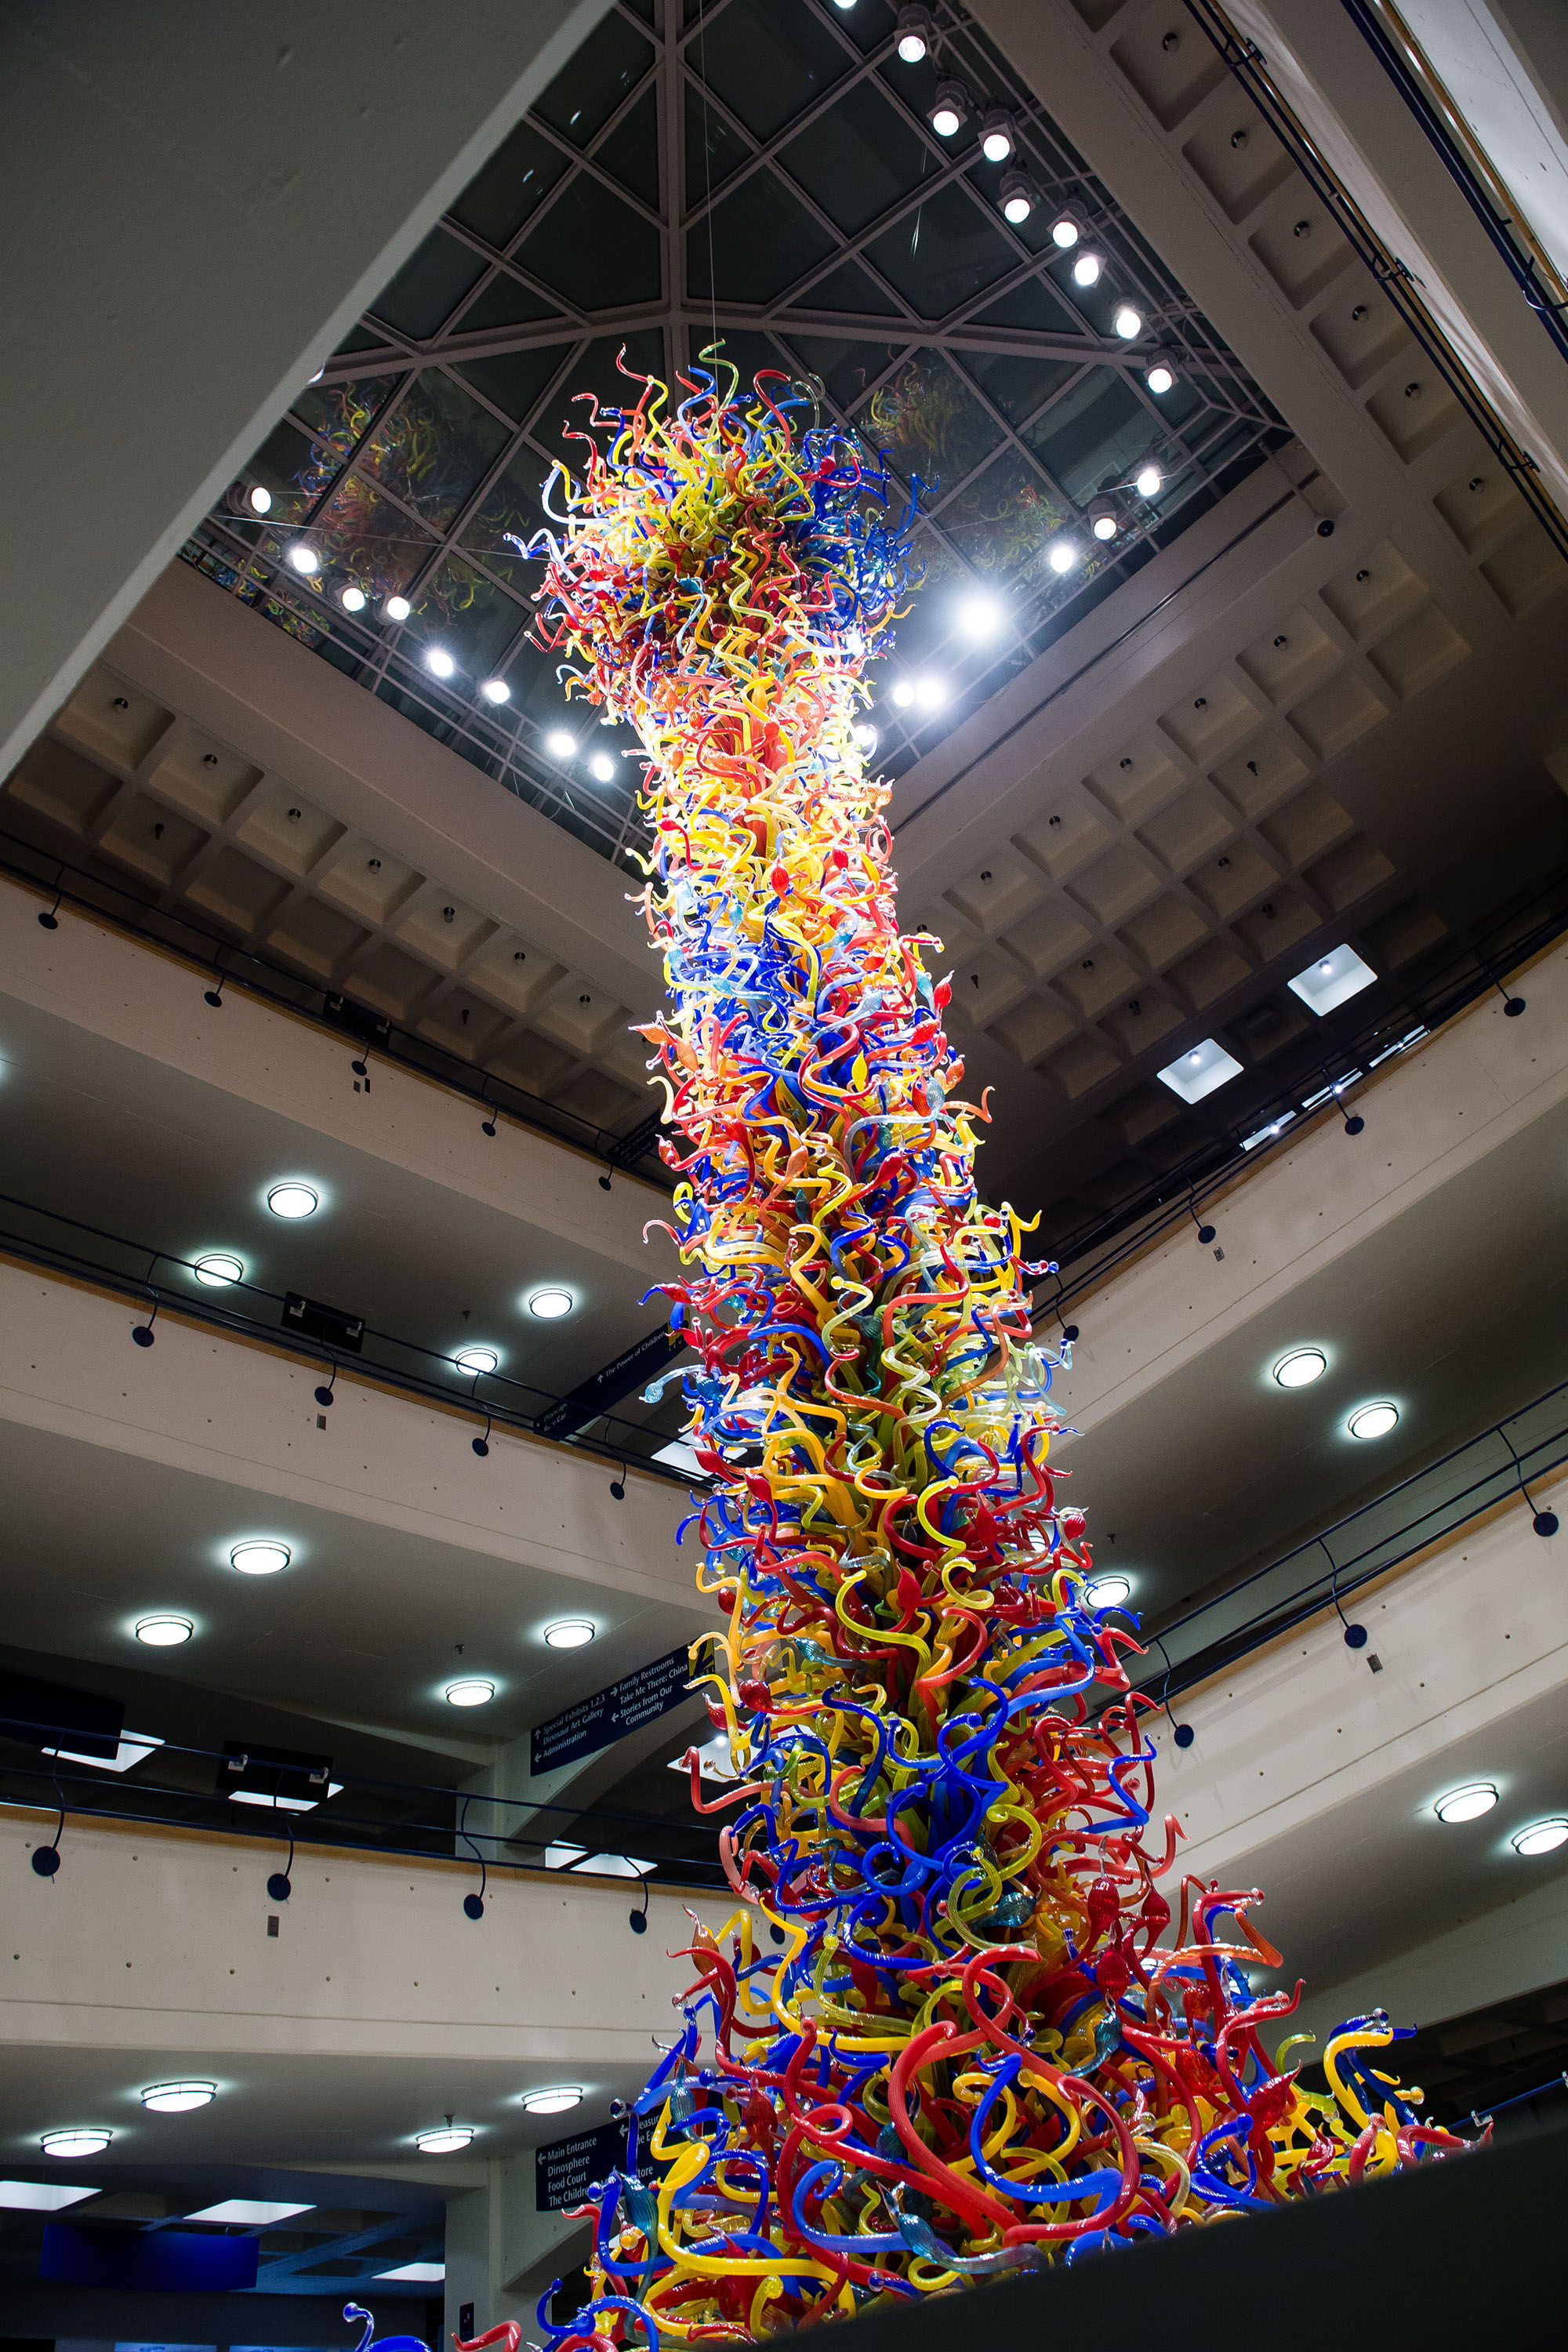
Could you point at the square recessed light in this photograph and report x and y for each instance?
(1197, 1072)
(134, 1745)
(1332, 980)
(417, 2274)
(42, 2196)
(250, 2213)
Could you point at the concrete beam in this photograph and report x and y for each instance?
(201, 201)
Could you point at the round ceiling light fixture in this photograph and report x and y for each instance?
(950, 107)
(1101, 512)
(559, 744)
(1373, 1420)
(902, 693)
(929, 693)
(916, 34)
(446, 2140)
(602, 768)
(996, 140)
(474, 1691)
(439, 662)
(556, 2101)
(85, 2139)
(1086, 270)
(163, 1633)
(1301, 1367)
(1108, 1591)
(496, 689)
(304, 559)
(980, 616)
(1147, 481)
(397, 608)
(1017, 197)
(1158, 375)
(570, 1633)
(1061, 555)
(178, 2098)
(476, 1360)
(1540, 1837)
(292, 1199)
(264, 1558)
(218, 1269)
(1467, 1804)
(550, 1306)
(1128, 321)
(1065, 232)
(351, 598)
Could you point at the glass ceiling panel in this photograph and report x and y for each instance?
(815, 189)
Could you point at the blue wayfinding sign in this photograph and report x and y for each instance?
(595, 1723)
(565, 2169)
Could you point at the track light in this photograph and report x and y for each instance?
(496, 689)
(916, 34)
(1128, 322)
(352, 598)
(249, 498)
(1158, 375)
(980, 616)
(397, 608)
(950, 107)
(559, 744)
(602, 768)
(996, 140)
(1017, 197)
(1467, 1804)
(439, 662)
(304, 559)
(1101, 512)
(902, 693)
(1148, 481)
(1065, 232)
(929, 693)
(1086, 270)
(1061, 555)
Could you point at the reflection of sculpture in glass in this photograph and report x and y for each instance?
(967, 2036)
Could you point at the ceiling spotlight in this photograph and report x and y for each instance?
(439, 661)
(570, 1633)
(1101, 514)
(218, 1269)
(1467, 1804)
(1128, 322)
(557, 2101)
(397, 608)
(1301, 1367)
(866, 738)
(292, 1200)
(550, 1305)
(163, 1633)
(602, 768)
(476, 1360)
(1373, 1420)
(1158, 375)
(1540, 1837)
(249, 498)
(1065, 232)
(1107, 1591)
(1061, 555)
(1147, 481)
(559, 744)
(950, 107)
(259, 1559)
(1017, 197)
(980, 616)
(445, 2141)
(473, 1692)
(1332, 980)
(496, 689)
(178, 2098)
(303, 558)
(929, 693)
(352, 598)
(917, 34)
(903, 694)
(87, 2140)
(1086, 270)
(996, 140)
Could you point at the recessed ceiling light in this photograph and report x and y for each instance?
(415, 2273)
(602, 768)
(1200, 1070)
(250, 2213)
(475, 1692)
(1467, 1804)
(1128, 321)
(558, 2101)
(293, 1199)
(397, 608)
(42, 2196)
(1301, 1367)
(443, 2141)
(902, 693)
(259, 1559)
(130, 1748)
(1160, 377)
(84, 2139)
(1540, 1837)
(559, 743)
(178, 2098)
(1061, 555)
(477, 1360)
(218, 1269)
(352, 598)
(550, 1305)
(1147, 481)
(929, 693)
(163, 1633)
(996, 135)
(439, 661)
(1086, 270)
(1332, 979)
(496, 689)
(1373, 1420)
(1107, 1591)
(303, 558)
(570, 1633)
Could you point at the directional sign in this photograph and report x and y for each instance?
(597, 1722)
(564, 2170)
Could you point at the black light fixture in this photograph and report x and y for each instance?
(279, 1883)
(487, 1124)
(1544, 1522)
(46, 1859)
(143, 1333)
(1355, 1635)
(48, 920)
(618, 1485)
(1205, 1232)
(324, 1392)
(482, 1444)
(214, 995)
(473, 1905)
